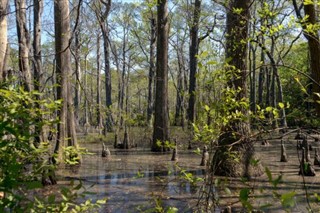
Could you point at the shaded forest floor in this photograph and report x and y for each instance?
(136, 180)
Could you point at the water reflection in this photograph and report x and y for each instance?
(133, 179)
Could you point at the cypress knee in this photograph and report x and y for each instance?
(316, 158)
(205, 157)
(105, 151)
(284, 157)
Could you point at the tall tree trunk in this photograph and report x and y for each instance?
(103, 21)
(151, 69)
(161, 123)
(77, 99)
(37, 62)
(252, 60)
(3, 36)
(99, 113)
(262, 74)
(86, 97)
(24, 43)
(314, 51)
(193, 62)
(178, 118)
(66, 128)
(123, 75)
(311, 19)
(238, 130)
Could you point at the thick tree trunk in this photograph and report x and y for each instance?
(160, 131)
(66, 128)
(150, 108)
(3, 35)
(314, 50)
(24, 43)
(193, 62)
(235, 137)
(311, 19)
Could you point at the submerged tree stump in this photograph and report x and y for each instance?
(300, 135)
(105, 151)
(174, 153)
(305, 146)
(316, 158)
(306, 168)
(205, 157)
(299, 145)
(284, 157)
(265, 143)
(189, 145)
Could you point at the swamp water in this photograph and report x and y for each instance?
(131, 180)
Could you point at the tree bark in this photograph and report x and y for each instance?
(235, 136)
(99, 113)
(77, 98)
(150, 108)
(314, 47)
(193, 62)
(24, 43)
(161, 123)
(3, 36)
(66, 127)
(37, 62)
(314, 51)
(178, 118)
(103, 22)
(262, 74)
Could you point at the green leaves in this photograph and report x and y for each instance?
(244, 198)
(288, 199)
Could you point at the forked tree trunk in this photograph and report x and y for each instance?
(161, 123)
(3, 35)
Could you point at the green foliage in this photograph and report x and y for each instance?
(73, 154)
(165, 144)
(65, 201)
(23, 163)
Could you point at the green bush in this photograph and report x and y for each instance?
(24, 163)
